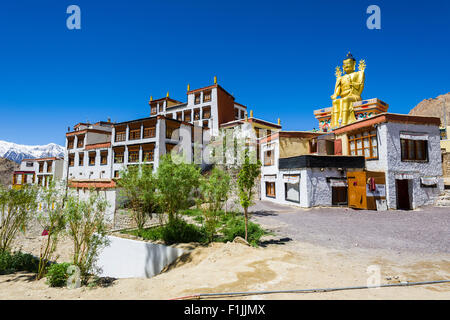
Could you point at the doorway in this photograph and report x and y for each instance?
(339, 196)
(403, 201)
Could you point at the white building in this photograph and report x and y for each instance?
(38, 172)
(401, 152)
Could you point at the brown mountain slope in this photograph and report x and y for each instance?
(6, 170)
(434, 108)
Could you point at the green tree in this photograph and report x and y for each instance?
(17, 208)
(87, 227)
(214, 191)
(138, 185)
(175, 182)
(53, 221)
(246, 181)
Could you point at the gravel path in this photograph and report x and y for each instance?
(420, 231)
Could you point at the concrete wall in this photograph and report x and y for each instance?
(125, 258)
(419, 196)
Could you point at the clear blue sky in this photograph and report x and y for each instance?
(277, 57)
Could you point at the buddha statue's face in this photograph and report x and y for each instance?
(349, 66)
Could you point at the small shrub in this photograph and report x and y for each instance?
(179, 231)
(236, 228)
(17, 261)
(57, 274)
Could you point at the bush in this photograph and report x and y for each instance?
(57, 274)
(17, 261)
(178, 231)
(236, 228)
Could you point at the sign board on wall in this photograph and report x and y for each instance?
(380, 191)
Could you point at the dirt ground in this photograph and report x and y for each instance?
(233, 267)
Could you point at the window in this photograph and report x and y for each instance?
(70, 143)
(153, 109)
(206, 112)
(92, 158)
(313, 145)
(292, 192)
(133, 156)
(49, 166)
(121, 136)
(180, 116)
(242, 114)
(149, 132)
(207, 96)
(205, 124)
(135, 134)
(81, 159)
(118, 156)
(236, 113)
(116, 173)
(103, 158)
(364, 144)
(187, 115)
(80, 141)
(29, 164)
(41, 167)
(270, 189)
(196, 114)
(148, 155)
(197, 98)
(269, 158)
(71, 161)
(414, 150)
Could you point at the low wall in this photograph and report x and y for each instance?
(126, 258)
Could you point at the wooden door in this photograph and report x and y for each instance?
(402, 188)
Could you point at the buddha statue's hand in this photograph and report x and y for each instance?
(333, 97)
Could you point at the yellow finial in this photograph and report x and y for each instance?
(167, 95)
(151, 98)
(189, 87)
(251, 113)
(215, 79)
(279, 121)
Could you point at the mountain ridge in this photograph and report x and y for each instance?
(18, 152)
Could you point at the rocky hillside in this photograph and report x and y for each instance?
(6, 170)
(434, 108)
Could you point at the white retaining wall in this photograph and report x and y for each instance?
(126, 258)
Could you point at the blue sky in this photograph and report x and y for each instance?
(276, 57)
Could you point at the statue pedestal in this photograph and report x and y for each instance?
(363, 109)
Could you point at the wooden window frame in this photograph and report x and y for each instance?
(353, 138)
(415, 151)
(197, 101)
(149, 132)
(91, 155)
(133, 156)
(81, 159)
(119, 155)
(71, 160)
(120, 136)
(269, 160)
(103, 158)
(151, 152)
(206, 112)
(271, 188)
(134, 134)
(207, 93)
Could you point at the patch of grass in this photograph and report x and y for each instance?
(235, 227)
(11, 262)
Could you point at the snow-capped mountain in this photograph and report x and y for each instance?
(17, 152)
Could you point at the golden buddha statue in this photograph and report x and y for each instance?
(349, 87)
